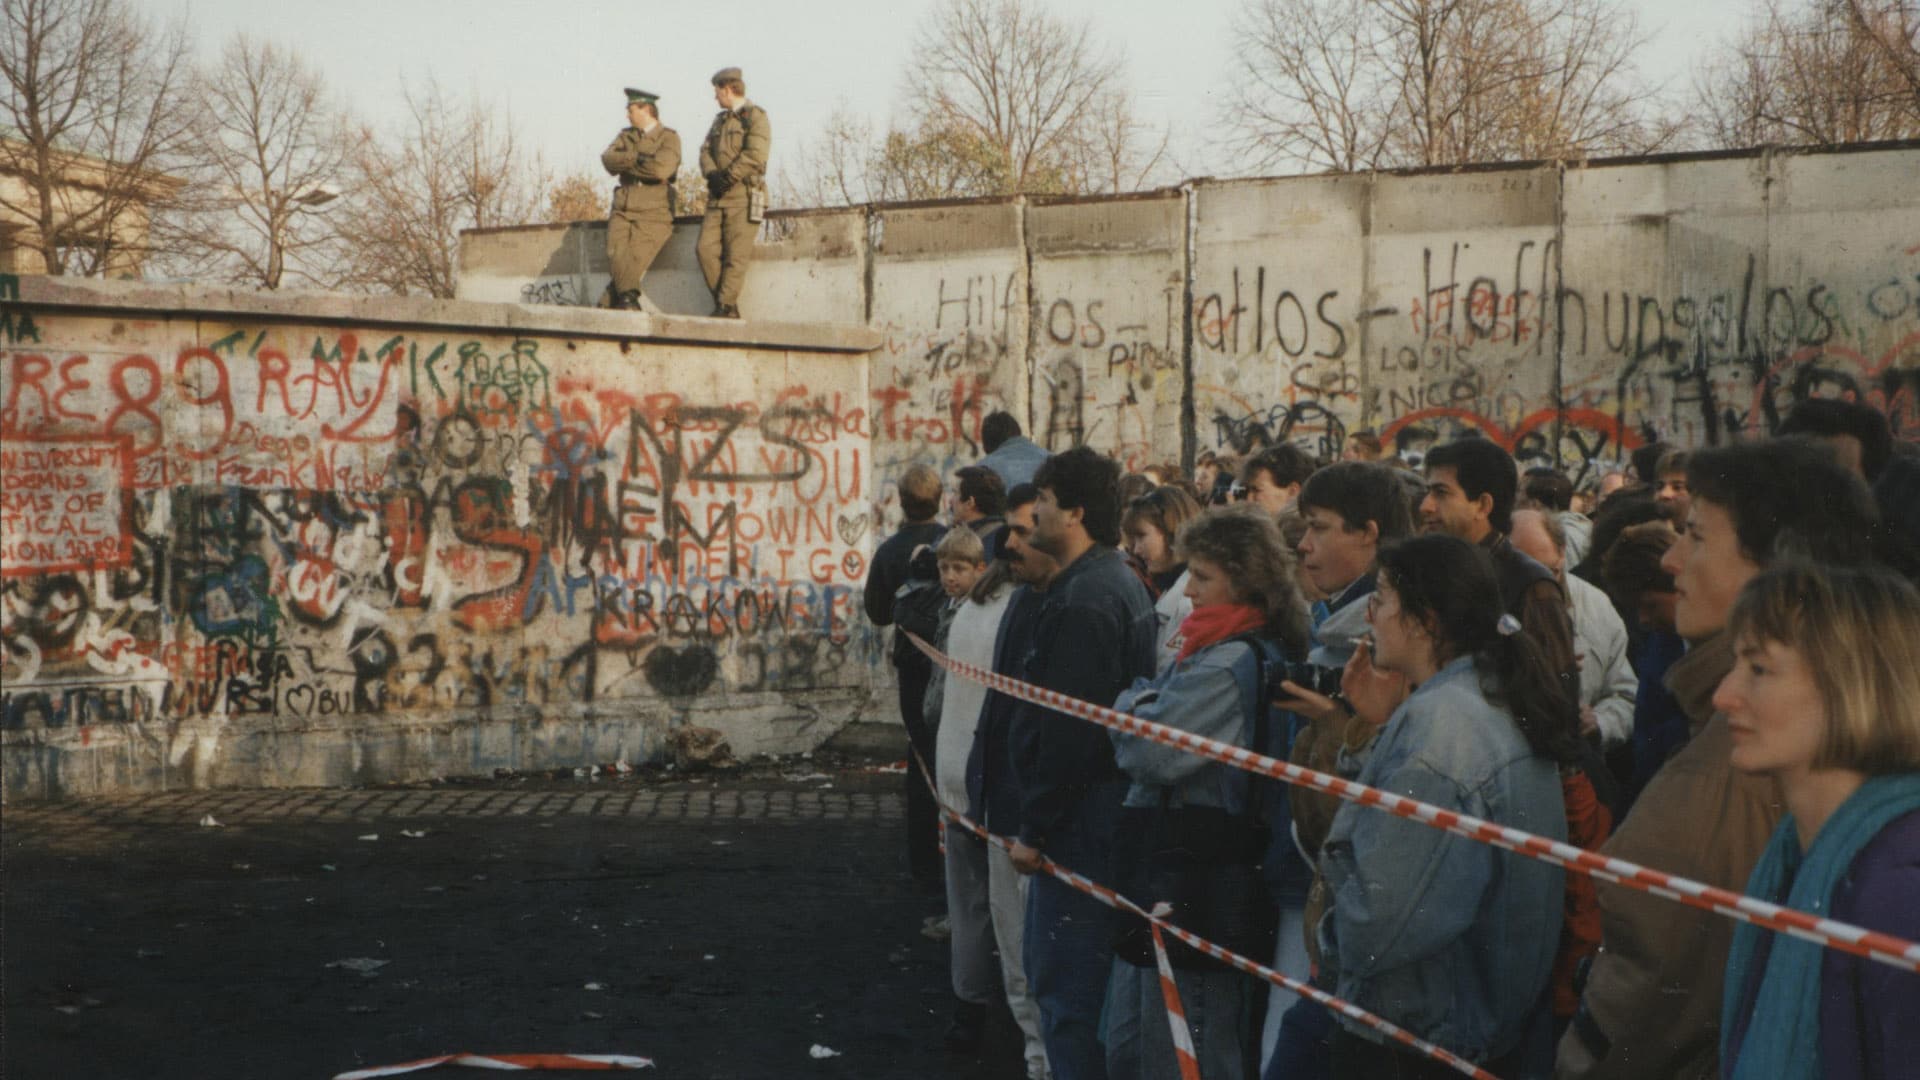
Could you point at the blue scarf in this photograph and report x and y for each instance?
(1783, 1034)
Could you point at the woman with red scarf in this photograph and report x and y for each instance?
(1192, 831)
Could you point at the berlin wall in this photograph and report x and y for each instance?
(261, 540)
(1571, 313)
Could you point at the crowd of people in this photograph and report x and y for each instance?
(1706, 662)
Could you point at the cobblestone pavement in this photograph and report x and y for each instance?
(679, 802)
(720, 926)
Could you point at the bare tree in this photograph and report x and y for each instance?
(1829, 72)
(1002, 97)
(1013, 77)
(1120, 151)
(831, 169)
(269, 150)
(1333, 84)
(1894, 29)
(97, 115)
(1307, 91)
(452, 168)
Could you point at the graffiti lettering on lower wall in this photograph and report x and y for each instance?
(217, 532)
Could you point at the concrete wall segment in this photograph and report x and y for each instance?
(246, 547)
(1108, 284)
(1278, 302)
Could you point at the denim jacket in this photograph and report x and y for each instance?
(1450, 938)
(1213, 694)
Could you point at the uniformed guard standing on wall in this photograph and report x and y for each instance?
(734, 162)
(644, 158)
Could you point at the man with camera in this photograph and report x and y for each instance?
(644, 157)
(1351, 509)
(733, 159)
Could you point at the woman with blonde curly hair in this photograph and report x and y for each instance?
(1192, 832)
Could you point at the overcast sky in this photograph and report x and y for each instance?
(558, 67)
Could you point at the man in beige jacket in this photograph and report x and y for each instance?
(1651, 1004)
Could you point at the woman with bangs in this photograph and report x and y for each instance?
(1825, 699)
(1150, 524)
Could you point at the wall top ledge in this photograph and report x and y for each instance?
(181, 301)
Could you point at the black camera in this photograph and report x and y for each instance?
(1320, 680)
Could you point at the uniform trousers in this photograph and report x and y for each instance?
(725, 249)
(633, 240)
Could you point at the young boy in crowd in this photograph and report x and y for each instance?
(962, 558)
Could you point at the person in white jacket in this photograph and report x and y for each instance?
(986, 899)
(1150, 524)
(1607, 682)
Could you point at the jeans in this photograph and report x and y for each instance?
(1219, 1009)
(1357, 1058)
(1289, 958)
(1300, 1050)
(1069, 941)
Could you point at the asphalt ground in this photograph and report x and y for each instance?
(722, 925)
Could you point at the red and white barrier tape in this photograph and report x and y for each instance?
(1170, 993)
(507, 1063)
(1259, 971)
(1871, 944)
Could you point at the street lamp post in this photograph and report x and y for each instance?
(279, 214)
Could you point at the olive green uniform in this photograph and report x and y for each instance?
(645, 164)
(735, 152)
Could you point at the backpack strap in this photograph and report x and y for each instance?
(1262, 725)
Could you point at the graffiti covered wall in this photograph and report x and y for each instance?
(251, 544)
(1570, 312)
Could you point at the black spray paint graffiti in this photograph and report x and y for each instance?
(1307, 424)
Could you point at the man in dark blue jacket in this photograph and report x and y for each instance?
(1092, 636)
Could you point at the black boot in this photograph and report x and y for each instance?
(969, 1023)
(628, 301)
(725, 311)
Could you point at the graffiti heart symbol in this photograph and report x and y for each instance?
(853, 528)
(299, 700)
(681, 672)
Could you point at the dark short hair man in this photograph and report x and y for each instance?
(1014, 456)
(643, 158)
(1273, 476)
(1471, 485)
(1352, 509)
(1093, 635)
(1652, 1001)
(979, 501)
(733, 160)
(1859, 434)
(993, 796)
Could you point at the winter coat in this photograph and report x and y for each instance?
(1651, 1006)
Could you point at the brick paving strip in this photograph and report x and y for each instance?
(681, 803)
